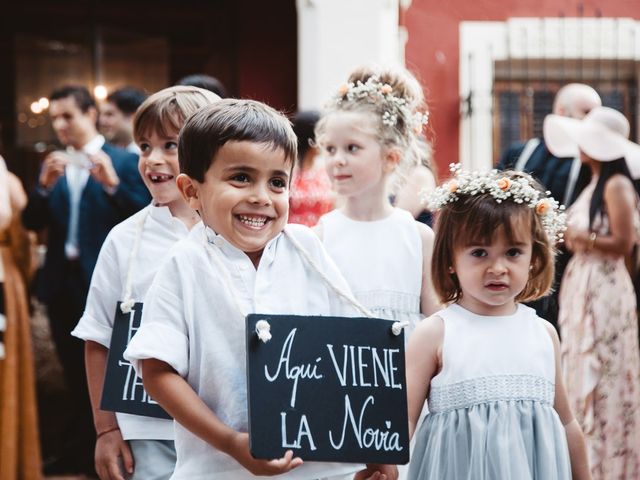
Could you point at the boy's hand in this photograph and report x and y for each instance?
(109, 448)
(240, 451)
(377, 472)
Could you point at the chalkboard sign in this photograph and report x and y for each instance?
(123, 391)
(328, 388)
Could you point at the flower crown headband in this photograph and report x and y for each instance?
(377, 93)
(518, 190)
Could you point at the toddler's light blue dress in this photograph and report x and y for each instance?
(491, 414)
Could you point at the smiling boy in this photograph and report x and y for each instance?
(140, 445)
(236, 158)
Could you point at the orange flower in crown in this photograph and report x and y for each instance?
(504, 184)
(542, 207)
(343, 89)
(386, 88)
(453, 186)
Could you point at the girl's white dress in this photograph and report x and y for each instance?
(491, 414)
(381, 260)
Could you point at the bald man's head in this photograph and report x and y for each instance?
(575, 100)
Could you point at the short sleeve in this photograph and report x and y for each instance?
(105, 290)
(163, 332)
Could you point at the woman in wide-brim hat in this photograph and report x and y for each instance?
(597, 319)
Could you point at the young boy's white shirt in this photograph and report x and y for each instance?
(191, 322)
(160, 232)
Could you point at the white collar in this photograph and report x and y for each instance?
(162, 215)
(92, 147)
(232, 251)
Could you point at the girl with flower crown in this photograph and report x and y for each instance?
(488, 365)
(368, 135)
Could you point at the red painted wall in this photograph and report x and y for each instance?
(432, 51)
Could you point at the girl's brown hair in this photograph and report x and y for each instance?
(474, 220)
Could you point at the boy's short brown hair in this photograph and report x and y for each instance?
(474, 220)
(165, 111)
(207, 130)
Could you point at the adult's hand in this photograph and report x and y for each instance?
(576, 240)
(53, 169)
(102, 170)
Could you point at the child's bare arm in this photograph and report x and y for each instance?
(109, 444)
(423, 362)
(575, 439)
(429, 303)
(178, 398)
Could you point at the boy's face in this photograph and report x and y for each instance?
(245, 195)
(158, 167)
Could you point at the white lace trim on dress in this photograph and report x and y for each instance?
(399, 302)
(490, 389)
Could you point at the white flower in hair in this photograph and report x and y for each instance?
(518, 190)
(375, 92)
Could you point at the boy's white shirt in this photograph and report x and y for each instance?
(192, 322)
(161, 231)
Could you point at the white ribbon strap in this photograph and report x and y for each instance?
(397, 327)
(263, 329)
(127, 305)
(327, 281)
(127, 302)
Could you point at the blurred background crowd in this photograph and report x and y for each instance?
(73, 73)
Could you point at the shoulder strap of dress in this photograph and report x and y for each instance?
(446, 313)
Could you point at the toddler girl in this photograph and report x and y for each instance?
(487, 364)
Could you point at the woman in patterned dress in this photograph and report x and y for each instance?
(598, 319)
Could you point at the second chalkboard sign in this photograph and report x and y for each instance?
(123, 390)
(328, 388)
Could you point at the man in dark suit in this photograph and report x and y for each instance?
(565, 178)
(82, 192)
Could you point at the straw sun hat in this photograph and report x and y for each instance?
(602, 134)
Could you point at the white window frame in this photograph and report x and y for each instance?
(482, 43)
